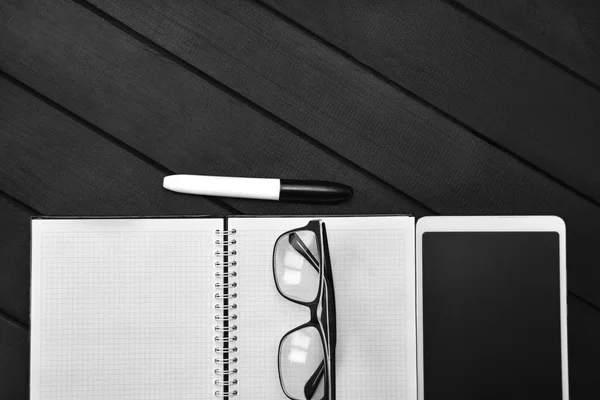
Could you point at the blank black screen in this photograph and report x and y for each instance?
(491, 315)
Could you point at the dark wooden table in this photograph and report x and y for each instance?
(423, 106)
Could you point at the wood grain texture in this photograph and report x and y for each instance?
(48, 151)
(584, 350)
(14, 360)
(337, 103)
(167, 112)
(566, 30)
(15, 273)
(475, 74)
(60, 167)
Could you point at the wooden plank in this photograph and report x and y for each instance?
(14, 361)
(584, 349)
(48, 151)
(473, 73)
(167, 112)
(14, 253)
(61, 167)
(328, 97)
(565, 30)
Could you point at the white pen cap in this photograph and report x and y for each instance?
(224, 186)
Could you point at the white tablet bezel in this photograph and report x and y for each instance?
(493, 224)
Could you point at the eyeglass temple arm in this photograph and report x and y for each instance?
(312, 384)
(301, 247)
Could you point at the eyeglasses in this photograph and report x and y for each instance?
(302, 271)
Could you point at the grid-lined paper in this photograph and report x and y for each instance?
(123, 309)
(373, 268)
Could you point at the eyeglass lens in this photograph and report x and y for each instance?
(296, 266)
(301, 364)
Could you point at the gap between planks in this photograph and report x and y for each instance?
(423, 102)
(466, 10)
(119, 143)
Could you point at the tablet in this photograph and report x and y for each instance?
(492, 308)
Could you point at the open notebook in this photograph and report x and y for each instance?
(139, 309)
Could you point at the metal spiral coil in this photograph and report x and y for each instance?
(225, 307)
(220, 328)
(230, 285)
(225, 361)
(221, 296)
(225, 313)
(220, 339)
(225, 275)
(225, 264)
(225, 253)
(221, 350)
(225, 242)
(219, 371)
(219, 382)
(225, 393)
(225, 233)
(225, 317)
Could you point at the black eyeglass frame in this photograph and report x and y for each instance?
(322, 312)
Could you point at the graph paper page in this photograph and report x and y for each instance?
(374, 279)
(122, 308)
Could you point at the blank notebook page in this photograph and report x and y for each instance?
(122, 308)
(374, 280)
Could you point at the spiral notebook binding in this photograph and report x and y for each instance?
(225, 316)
